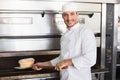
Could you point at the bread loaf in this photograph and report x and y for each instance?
(26, 63)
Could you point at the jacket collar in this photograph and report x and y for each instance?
(75, 26)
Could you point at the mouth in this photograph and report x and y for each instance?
(70, 23)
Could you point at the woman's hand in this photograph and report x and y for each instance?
(63, 64)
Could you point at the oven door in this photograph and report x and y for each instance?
(28, 32)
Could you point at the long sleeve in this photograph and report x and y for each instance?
(88, 56)
(55, 61)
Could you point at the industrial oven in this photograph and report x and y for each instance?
(32, 28)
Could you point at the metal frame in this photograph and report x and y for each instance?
(113, 36)
(114, 55)
(114, 42)
(90, 1)
(103, 38)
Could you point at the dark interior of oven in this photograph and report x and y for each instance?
(7, 64)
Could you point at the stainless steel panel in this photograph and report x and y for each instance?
(16, 20)
(103, 38)
(28, 53)
(17, 5)
(114, 55)
(31, 76)
(34, 18)
(27, 25)
(93, 1)
(90, 1)
(21, 32)
(29, 44)
(93, 22)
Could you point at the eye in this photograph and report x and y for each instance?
(64, 14)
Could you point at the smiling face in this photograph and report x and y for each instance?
(70, 18)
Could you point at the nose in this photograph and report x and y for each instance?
(69, 17)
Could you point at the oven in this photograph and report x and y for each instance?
(32, 28)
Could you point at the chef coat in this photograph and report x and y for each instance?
(78, 44)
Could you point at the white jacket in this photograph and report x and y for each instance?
(78, 44)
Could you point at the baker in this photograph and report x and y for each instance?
(78, 49)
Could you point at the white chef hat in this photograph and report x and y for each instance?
(69, 7)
